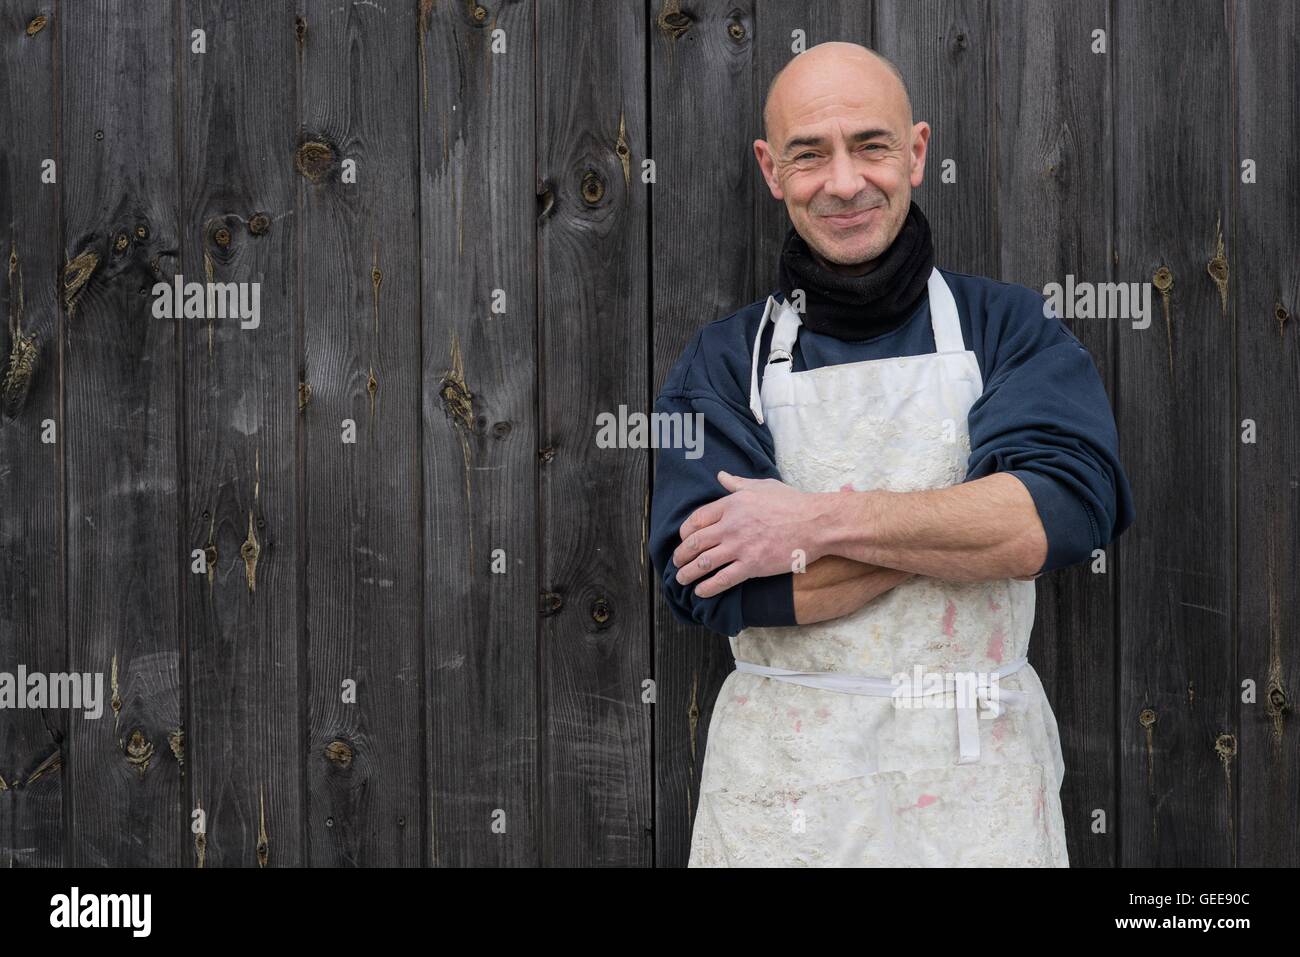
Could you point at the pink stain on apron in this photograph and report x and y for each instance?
(994, 650)
(949, 615)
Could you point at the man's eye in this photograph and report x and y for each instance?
(803, 156)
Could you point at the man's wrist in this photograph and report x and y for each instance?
(850, 524)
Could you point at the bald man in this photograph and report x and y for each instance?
(892, 452)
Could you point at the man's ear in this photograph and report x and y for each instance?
(767, 166)
(920, 148)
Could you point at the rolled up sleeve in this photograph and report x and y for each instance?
(730, 441)
(1044, 417)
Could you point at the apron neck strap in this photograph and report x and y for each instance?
(944, 318)
(755, 403)
(783, 336)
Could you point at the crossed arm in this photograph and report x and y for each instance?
(858, 545)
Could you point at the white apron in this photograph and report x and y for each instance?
(810, 761)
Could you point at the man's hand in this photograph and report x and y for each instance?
(833, 586)
(752, 532)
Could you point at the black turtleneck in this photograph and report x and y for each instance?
(854, 308)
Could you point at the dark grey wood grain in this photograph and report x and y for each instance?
(702, 214)
(361, 334)
(1173, 194)
(1265, 284)
(121, 422)
(1055, 214)
(243, 752)
(593, 358)
(33, 632)
(478, 209)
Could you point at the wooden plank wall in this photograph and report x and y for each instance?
(427, 632)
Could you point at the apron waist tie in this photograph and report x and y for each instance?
(976, 692)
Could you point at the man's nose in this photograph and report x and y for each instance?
(844, 180)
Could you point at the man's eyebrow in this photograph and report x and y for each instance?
(860, 136)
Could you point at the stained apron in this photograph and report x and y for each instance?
(812, 759)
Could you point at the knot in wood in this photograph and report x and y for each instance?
(339, 754)
(138, 751)
(674, 23)
(314, 160)
(592, 187)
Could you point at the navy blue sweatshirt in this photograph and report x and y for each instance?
(1043, 416)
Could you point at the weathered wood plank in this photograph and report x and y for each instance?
(702, 86)
(1173, 193)
(1265, 282)
(361, 291)
(124, 555)
(595, 336)
(242, 746)
(480, 453)
(32, 626)
(1055, 215)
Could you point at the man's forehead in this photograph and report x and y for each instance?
(882, 99)
(823, 124)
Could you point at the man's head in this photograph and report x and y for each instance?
(842, 151)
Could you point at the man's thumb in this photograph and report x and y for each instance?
(731, 482)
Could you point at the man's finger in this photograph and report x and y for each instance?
(729, 577)
(732, 483)
(695, 543)
(702, 517)
(712, 559)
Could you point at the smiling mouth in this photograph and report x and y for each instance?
(849, 219)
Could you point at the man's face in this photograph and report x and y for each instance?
(844, 156)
